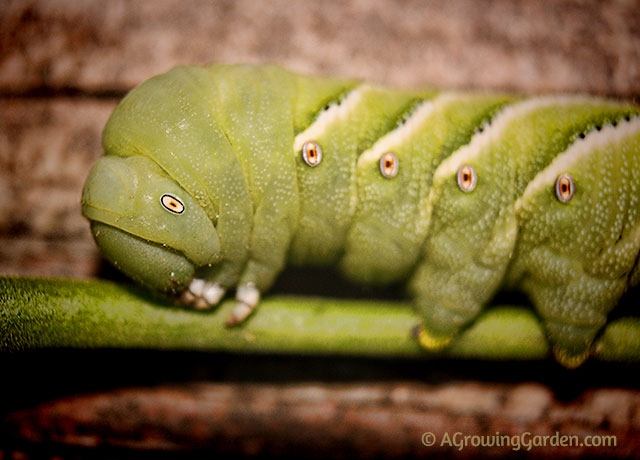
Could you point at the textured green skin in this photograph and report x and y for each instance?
(325, 218)
(575, 281)
(468, 253)
(228, 136)
(392, 216)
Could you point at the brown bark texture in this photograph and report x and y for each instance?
(319, 420)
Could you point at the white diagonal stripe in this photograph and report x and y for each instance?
(494, 131)
(578, 151)
(336, 113)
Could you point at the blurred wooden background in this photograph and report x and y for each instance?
(64, 64)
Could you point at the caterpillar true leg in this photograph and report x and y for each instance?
(202, 294)
(247, 299)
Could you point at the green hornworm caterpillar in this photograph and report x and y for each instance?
(216, 177)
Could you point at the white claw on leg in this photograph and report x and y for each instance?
(202, 294)
(213, 293)
(247, 298)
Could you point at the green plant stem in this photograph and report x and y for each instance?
(54, 313)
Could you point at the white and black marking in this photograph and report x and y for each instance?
(389, 165)
(172, 203)
(467, 178)
(565, 187)
(312, 153)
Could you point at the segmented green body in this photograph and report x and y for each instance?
(216, 177)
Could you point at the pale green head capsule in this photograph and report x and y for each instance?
(146, 224)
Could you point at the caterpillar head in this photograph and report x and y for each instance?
(146, 224)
